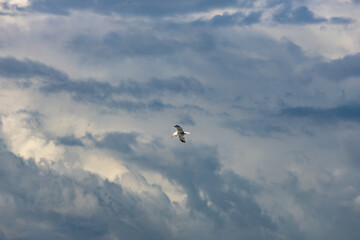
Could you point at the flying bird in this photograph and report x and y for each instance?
(180, 132)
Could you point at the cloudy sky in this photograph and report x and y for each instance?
(90, 92)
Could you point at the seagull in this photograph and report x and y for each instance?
(180, 132)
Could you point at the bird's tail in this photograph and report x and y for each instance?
(187, 133)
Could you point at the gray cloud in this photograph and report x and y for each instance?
(138, 43)
(70, 141)
(287, 14)
(186, 119)
(266, 77)
(339, 69)
(300, 15)
(96, 209)
(102, 93)
(351, 146)
(327, 203)
(55, 206)
(121, 142)
(11, 67)
(225, 198)
(57, 81)
(274, 3)
(231, 19)
(349, 112)
(256, 57)
(152, 8)
(259, 127)
(252, 18)
(124, 44)
(285, 122)
(341, 20)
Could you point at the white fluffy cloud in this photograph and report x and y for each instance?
(16, 3)
(22, 133)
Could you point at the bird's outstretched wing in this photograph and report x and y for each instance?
(179, 129)
(182, 138)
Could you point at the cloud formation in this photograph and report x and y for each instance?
(69, 207)
(152, 8)
(54, 206)
(300, 15)
(339, 69)
(349, 112)
(11, 67)
(90, 92)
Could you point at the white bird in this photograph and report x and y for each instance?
(180, 132)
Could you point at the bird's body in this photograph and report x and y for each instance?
(180, 133)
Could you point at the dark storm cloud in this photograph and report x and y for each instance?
(136, 7)
(349, 112)
(53, 206)
(339, 69)
(300, 15)
(97, 209)
(224, 198)
(11, 67)
(197, 172)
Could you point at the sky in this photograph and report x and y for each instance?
(90, 92)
